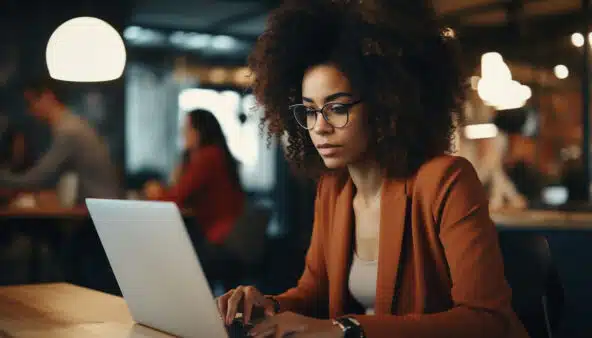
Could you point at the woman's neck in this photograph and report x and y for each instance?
(367, 178)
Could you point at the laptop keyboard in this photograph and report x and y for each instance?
(238, 329)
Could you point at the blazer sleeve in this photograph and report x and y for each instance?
(310, 296)
(481, 297)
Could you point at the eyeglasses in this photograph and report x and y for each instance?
(336, 114)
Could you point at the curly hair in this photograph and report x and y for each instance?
(395, 55)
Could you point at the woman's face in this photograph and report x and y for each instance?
(338, 147)
(191, 135)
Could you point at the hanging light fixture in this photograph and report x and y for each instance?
(496, 87)
(85, 49)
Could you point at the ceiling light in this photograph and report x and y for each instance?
(561, 71)
(85, 49)
(577, 39)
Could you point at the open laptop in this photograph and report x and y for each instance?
(157, 269)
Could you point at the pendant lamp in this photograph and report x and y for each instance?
(85, 49)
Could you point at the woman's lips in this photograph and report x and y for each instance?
(328, 150)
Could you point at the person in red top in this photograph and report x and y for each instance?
(208, 180)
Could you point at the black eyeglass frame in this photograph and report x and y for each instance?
(348, 106)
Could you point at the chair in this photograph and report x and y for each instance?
(537, 293)
(247, 240)
(243, 249)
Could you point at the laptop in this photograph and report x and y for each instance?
(157, 268)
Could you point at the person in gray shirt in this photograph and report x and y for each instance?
(76, 148)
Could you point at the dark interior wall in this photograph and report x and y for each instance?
(25, 28)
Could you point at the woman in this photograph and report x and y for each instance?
(209, 178)
(403, 245)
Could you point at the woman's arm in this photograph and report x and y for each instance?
(310, 296)
(480, 293)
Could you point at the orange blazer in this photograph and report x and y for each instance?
(440, 270)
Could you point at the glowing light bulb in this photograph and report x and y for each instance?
(561, 71)
(85, 49)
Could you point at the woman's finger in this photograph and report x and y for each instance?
(250, 299)
(233, 303)
(282, 330)
(290, 330)
(265, 328)
(279, 326)
(223, 303)
(270, 332)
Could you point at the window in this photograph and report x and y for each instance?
(245, 140)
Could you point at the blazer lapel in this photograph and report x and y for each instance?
(340, 250)
(393, 209)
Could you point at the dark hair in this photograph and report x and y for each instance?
(397, 58)
(211, 133)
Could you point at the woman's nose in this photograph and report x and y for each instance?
(321, 125)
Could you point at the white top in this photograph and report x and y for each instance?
(362, 282)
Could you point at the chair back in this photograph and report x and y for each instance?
(537, 295)
(247, 240)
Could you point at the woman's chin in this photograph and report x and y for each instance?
(334, 162)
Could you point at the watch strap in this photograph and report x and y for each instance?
(350, 326)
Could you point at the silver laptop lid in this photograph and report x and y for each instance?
(156, 266)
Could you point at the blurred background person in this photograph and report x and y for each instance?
(208, 183)
(76, 148)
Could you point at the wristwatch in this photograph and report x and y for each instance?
(351, 327)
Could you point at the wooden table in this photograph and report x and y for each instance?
(52, 227)
(58, 228)
(66, 311)
(543, 220)
(45, 213)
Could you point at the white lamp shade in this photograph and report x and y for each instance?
(85, 49)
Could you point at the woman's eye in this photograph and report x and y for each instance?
(338, 109)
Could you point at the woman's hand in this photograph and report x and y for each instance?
(297, 326)
(243, 298)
